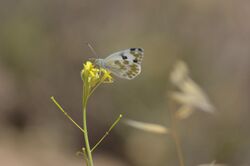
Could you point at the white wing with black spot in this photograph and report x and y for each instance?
(125, 64)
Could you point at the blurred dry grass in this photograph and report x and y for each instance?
(42, 47)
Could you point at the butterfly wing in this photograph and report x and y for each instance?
(125, 64)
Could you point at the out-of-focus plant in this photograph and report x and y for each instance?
(92, 77)
(212, 164)
(149, 127)
(188, 96)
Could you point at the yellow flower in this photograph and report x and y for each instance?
(92, 76)
(89, 73)
(107, 78)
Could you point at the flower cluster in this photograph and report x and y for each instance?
(93, 77)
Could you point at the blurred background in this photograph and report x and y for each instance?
(42, 48)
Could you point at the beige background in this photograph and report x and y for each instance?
(42, 48)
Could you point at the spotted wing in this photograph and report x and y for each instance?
(125, 64)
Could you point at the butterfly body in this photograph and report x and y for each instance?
(124, 64)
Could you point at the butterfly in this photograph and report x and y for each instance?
(124, 64)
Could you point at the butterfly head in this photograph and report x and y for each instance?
(99, 62)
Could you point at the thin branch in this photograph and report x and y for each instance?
(107, 132)
(96, 86)
(92, 90)
(65, 113)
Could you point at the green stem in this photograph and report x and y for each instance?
(107, 132)
(99, 83)
(65, 113)
(84, 109)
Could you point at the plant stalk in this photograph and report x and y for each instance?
(84, 109)
(175, 136)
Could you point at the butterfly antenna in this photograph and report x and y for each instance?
(92, 49)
